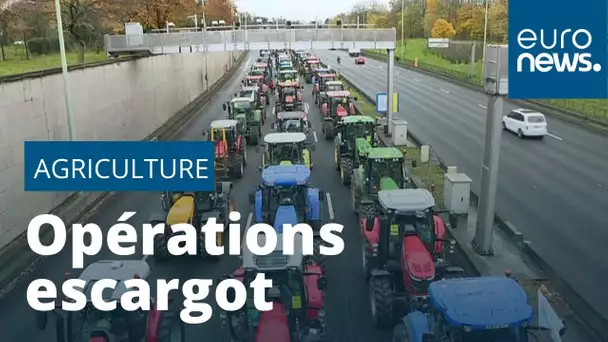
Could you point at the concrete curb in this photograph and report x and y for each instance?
(591, 124)
(590, 316)
(16, 258)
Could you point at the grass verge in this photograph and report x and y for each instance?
(17, 63)
(596, 109)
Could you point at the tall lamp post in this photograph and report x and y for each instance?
(65, 74)
(485, 39)
(402, 29)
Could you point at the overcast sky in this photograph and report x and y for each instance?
(297, 9)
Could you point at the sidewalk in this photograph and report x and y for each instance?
(509, 256)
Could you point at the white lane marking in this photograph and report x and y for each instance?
(247, 225)
(554, 136)
(482, 106)
(330, 207)
(445, 91)
(416, 80)
(315, 135)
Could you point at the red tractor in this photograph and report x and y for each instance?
(404, 252)
(93, 325)
(256, 80)
(338, 105)
(321, 85)
(289, 97)
(297, 294)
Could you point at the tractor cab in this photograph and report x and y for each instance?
(291, 122)
(503, 310)
(355, 134)
(249, 117)
(383, 169)
(286, 149)
(289, 75)
(259, 99)
(321, 84)
(92, 324)
(285, 65)
(230, 150)
(339, 104)
(297, 293)
(254, 79)
(328, 86)
(289, 97)
(310, 66)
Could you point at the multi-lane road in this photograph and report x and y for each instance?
(555, 191)
(346, 301)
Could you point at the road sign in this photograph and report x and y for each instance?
(382, 102)
(439, 42)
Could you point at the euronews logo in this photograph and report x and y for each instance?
(565, 51)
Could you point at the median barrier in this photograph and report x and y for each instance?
(16, 258)
(474, 83)
(591, 317)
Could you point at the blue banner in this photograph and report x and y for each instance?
(119, 166)
(558, 49)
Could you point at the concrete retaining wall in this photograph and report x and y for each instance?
(121, 101)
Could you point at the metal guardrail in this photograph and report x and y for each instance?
(179, 42)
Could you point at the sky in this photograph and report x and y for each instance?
(298, 9)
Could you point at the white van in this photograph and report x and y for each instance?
(525, 123)
(354, 52)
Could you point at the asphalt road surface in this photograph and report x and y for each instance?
(553, 190)
(346, 300)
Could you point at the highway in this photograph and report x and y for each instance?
(346, 298)
(553, 190)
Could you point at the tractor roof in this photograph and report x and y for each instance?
(286, 175)
(384, 153)
(290, 115)
(250, 88)
(254, 77)
(223, 124)
(357, 119)
(282, 138)
(241, 99)
(119, 270)
(275, 260)
(287, 84)
(406, 200)
(288, 71)
(481, 302)
(327, 74)
(340, 93)
(334, 83)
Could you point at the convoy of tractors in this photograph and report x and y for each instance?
(404, 245)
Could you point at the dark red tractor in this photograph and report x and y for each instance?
(404, 251)
(256, 80)
(297, 299)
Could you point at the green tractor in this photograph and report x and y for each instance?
(243, 109)
(289, 148)
(260, 100)
(355, 135)
(380, 169)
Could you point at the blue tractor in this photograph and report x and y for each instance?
(482, 309)
(285, 197)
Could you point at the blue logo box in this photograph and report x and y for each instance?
(558, 49)
(119, 166)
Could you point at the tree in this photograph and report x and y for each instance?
(498, 19)
(220, 10)
(470, 22)
(430, 15)
(442, 29)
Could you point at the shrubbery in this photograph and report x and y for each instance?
(457, 53)
(46, 46)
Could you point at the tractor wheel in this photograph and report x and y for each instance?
(161, 253)
(355, 199)
(381, 301)
(317, 257)
(171, 328)
(366, 255)
(328, 129)
(367, 210)
(244, 155)
(237, 166)
(337, 159)
(346, 170)
(400, 334)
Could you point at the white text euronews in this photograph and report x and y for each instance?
(147, 168)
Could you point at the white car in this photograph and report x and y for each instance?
(525, 123)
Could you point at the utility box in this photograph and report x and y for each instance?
(496, 80)
(399, 133)
(457, 192)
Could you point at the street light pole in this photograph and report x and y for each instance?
(402, 28)
(485, 39)
(65, 73)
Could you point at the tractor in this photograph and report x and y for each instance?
(339, 105)
(380, 169)
(230, 156)
(479, 309)
(403, 251)
(290, 76)
(297, 298)
(260, 100)
(321, 85)
(256, 81)
(94, 325)
(329, 87)
(291, 122)
(289, 97)
(195, 208)
(355, 135)
(286, 149)
(250, 118)
(311, 64)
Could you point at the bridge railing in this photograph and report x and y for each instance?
(248, 39)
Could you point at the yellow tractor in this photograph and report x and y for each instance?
(230, 150)
(289, 148)
(195, 208)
